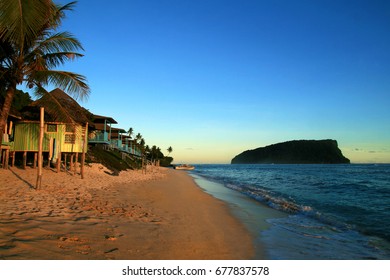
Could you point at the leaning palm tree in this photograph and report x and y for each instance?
(31, 49)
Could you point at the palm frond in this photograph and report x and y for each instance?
(59, 42)
(72, 83)
(52, 52)
(54, 60)
(38, 61)
(60, 13)
(21, 21)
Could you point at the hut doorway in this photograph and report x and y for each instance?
(53, 151)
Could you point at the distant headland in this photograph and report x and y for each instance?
(294, 152)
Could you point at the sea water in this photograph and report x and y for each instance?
(331, 211)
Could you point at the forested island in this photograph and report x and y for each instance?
(294, 152)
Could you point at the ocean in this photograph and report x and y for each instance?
(315, 211)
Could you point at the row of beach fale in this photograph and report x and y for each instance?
(60, 138)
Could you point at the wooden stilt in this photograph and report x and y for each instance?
(24, 159)
(13, 158)
(71, 162)
(6, 159)
(75, 162)
(59, 162)
(35, 160)
(65, 161)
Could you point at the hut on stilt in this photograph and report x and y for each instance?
(65, 131)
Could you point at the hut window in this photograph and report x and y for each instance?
(51, 128)
(69, 128)
(70, 138)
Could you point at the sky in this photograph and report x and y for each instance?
(213, 78)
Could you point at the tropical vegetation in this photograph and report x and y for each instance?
(31, 50)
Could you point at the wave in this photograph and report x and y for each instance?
(279, 202)
(270, 199)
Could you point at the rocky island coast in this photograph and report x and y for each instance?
(294, 152)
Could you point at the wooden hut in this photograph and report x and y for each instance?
(122, 142)
(65, 130)
(7, 142)
(101, 133)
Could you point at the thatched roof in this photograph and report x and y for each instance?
(59, 107)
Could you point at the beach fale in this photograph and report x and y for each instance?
(67, 130)
(59, 138)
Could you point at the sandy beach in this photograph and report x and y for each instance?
(159, 215)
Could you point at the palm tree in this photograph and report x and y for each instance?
(138, 138)
(170, 150)
(142, 145)
(137, 141)
(147, 149)
(31, 50)
(130, 132)
(142, 142)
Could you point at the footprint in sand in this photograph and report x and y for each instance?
(84, 249)
(111, 238)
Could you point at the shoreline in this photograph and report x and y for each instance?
(251, 213)
(161, 215)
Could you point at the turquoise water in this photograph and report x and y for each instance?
(332, 211)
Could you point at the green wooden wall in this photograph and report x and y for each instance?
(27, 134)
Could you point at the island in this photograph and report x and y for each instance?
(294, 152)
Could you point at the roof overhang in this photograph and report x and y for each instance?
(101, 119)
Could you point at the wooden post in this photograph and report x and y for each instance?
(59, 162)
(40, 148)
(24, 159)
(35, 160)
(75, 163)
(84, 151)
(6, 159)
(71, 162)
(65, 161)
(13, 158)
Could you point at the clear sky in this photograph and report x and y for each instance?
(212, 78)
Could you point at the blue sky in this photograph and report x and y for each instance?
(213, 78)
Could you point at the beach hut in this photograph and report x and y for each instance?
(116, 137)
(6, 145)
(101, 133)
(65, 130)
(122, 142)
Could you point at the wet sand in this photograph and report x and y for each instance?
(161, 215)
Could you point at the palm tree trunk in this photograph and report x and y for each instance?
(9, 96)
